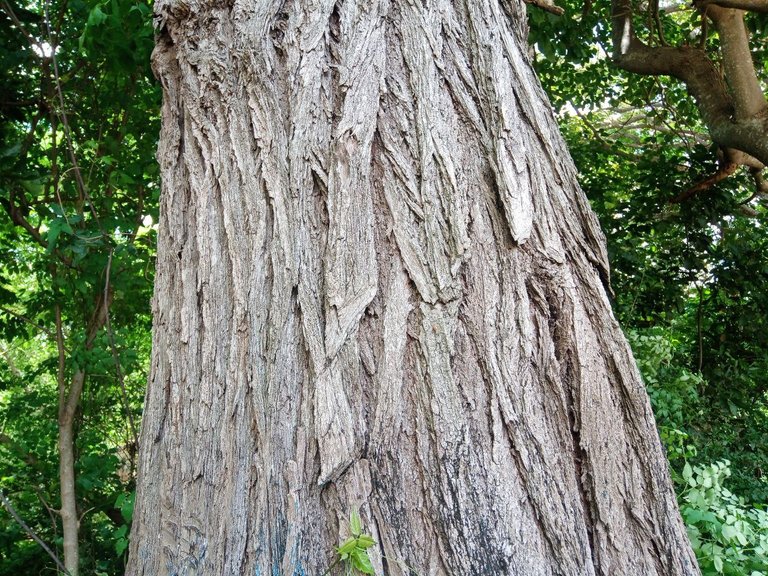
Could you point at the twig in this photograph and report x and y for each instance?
(31, 532)
(654, 6)
(704, 28)
(52, 512)
(610, 146)
(28, 321)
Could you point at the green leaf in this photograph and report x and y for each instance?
(354, 523)
(33, 186)
(55, 228)
(347, 546)
(125, 503)
(120, 546)
(688, 473)
(365, 541)
(692, 515)
(96, 16)
(729, 532)
(361, 561)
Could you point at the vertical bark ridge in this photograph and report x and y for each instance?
(379, 287)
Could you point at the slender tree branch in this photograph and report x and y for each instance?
(16, 22)
(654, 7)
(23, 318)
(606, 144)
(17, 217)
(67, 129)
(31, 533)
(547, 5)
(52, 512)
(704, 29)
(726, 169)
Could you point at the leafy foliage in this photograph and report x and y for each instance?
(727, 536)
(353, 552)
(78, 189)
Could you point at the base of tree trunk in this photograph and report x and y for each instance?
(379, 287)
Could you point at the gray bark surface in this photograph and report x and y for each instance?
(380, 287)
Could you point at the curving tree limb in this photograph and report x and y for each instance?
(731, 101)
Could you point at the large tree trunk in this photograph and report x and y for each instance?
(379, 286)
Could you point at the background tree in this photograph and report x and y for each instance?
(379, 287)
(78, 192)
(727, 91)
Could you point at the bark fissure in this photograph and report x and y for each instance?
(560, 321)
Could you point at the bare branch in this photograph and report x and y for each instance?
(547, 5)
(725, 170)
(654, 8)
(30, 532)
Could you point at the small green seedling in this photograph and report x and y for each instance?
(353, 552)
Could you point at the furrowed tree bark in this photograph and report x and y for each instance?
(380, 287)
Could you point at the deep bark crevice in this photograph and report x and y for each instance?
(560, 320)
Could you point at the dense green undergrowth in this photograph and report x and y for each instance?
(729, 534)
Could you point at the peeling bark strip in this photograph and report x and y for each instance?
(379, 286)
